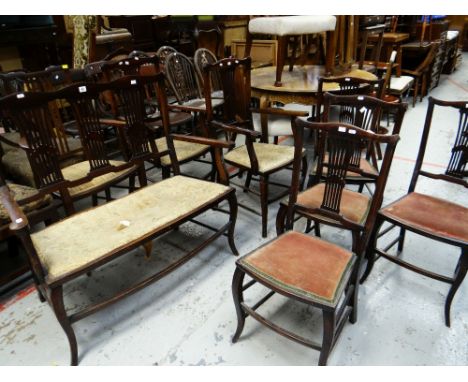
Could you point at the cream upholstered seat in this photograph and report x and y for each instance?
(184, 150)
(81, 169)
(354, 206)
(400, 84)
(19, 192)
(302, 265)
(292, 25)
(113, 225)
(279, 125)
(269, 156)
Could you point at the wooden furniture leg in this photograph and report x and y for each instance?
(330, 58)
(281, 58)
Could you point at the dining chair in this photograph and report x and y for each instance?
(201, 57)
(257, 159)
(308, 269)
(426, 215)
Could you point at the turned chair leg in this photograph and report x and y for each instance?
(264, 203)
(59, 309)
(328, 336)
(237, 294)
(460, 273)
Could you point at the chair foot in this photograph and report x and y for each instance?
(461, 270)
(238, 296)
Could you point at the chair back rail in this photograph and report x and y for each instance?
(456, 171)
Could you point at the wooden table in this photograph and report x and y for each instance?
(393, 41)
(299, 86)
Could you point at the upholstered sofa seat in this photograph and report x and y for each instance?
(86, 237)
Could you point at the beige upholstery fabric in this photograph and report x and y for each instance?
(19, 192)
(400, 84)
(86, 237)
(184, 150)
(269, 156)
(200, 103)
(81, 169)
(292, 25)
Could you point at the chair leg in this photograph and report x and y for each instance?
(248, 179)
(460, 273)
(401, 240)
(59, 309)
(238, 296)
(293, 54)
(304, 171)
(94, 200)
(108, 194)
(142, 179)
(165, 172)
(280, 58)
(264, 203)
(415, 91)
(232, 223)
(370, 251)
(280, 219)
(328, 336)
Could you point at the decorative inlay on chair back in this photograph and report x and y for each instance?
(182, 77)
(234, 74)
(31, 114)
(456, 171)
(204, 57)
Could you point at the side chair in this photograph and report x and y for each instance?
(308, 269)
(426, 215)
(257, 159)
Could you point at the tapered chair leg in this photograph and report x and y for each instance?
(264, 203)
(248, 179)
(281, 58)
(328, 336)
(238, 296)
(61, 314)
(370, 251)
(401, 240)
(461, 270)
(232, 223)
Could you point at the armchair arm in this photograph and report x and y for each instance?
(236, 130)
(204, 141)
(279, 111)
(411, 72)
(17, 216)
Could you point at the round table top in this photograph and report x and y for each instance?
(302, 79)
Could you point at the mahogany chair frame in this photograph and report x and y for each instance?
(52, 289)
(237, 120)
(455, 173)
(344, 139)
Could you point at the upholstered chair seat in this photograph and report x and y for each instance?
(81, 169)
(400, 84)
(302, 265)
(354, 206)
(418, 211)
(117, 223)
(200, 103)
(20, 192)
(270, 157)
(184, 150)
(292, 25)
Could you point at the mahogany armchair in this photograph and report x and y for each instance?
(308, 269)
(83, 242)
(258, 159)
(435, 218)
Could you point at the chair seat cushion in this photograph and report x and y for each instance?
(292, 25)
(269, 156)
(87, 237)
(81, 169)
(184, 150)
(19, 192)
(354, 206)
(279, 125)
(432, 215)
(200, 103)
(400, 84)
(303, 265)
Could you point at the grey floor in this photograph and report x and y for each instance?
(188, 318)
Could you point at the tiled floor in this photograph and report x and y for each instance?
(188, 318)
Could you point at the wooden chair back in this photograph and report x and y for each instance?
(456, 171)
(163, 52)
(182, 77)
(201, 58)
(340, 141)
